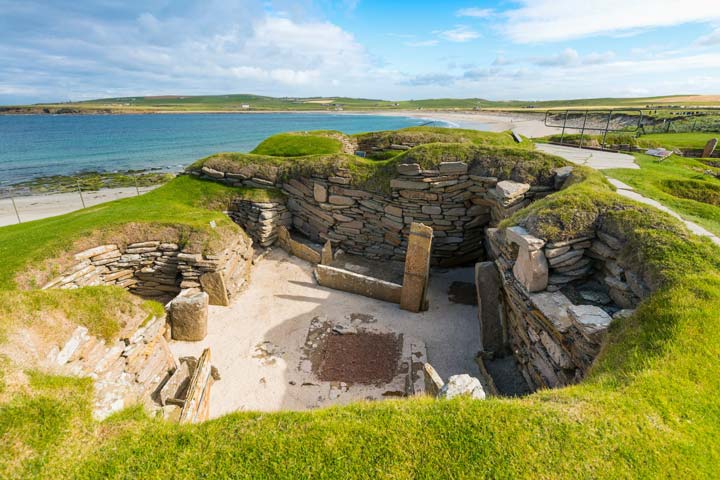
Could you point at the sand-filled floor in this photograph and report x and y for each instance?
(269, 345)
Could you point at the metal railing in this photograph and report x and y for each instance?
(634, 121)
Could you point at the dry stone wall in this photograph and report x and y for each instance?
(260, 220)
(126, 371)
(455, 200)
(558, 305)
(155, 269)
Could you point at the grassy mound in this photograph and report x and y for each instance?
(648, 408)
(589, 140)
(493, 153)
(680, 141)
(300, 144)
(697, 190)
(673, 183)
(423, 135)
(180, 211)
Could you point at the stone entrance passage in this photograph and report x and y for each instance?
(287, 343)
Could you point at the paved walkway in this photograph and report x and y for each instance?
(592, 158)
(602, 160)
(627, 191)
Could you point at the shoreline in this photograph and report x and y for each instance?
(37, 206)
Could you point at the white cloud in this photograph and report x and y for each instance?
(422, 43)
(570, 58)
(713, 38)
(461, 33)
(556, 20)
(475, 12)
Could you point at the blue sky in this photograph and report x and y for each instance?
(528, 49)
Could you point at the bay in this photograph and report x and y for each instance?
(34, 146)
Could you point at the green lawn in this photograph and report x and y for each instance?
(649, 407)
(298, 145)
(678, 183)
(677, 140)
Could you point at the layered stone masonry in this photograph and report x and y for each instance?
(457, 205)
(156, 269)
(260, 220)
(559, 299)
(125, 372)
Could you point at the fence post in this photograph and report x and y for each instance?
(136, 186)
(607, 126)
(80, 192)
(16, 210)
(582, 132)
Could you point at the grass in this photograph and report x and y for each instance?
(495, 153)
(648, 408)
(672, 141)
(180, 211)
(678, 183)
(236, 102)
(423, 135)
(298, 145)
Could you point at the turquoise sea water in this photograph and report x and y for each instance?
(39, 145)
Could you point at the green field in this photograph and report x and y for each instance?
(649, 407)
(679, 183)
(677, 140)
(249, 102)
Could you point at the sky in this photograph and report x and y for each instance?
(528, 49)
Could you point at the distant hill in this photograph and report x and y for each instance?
(249, 102)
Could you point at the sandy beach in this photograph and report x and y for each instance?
(526, 124)
(35, 207)
(41, 206)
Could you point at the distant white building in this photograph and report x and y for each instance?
(245, 106)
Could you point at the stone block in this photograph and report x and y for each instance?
(347, 281)
(462, 385)
(453, 168)
(340, 200)
(189, 315)
(433, 381)
(522, 238)
(213, 283)
(590, 319)
(508, 189)
(531, 270)
(408, 185)
(710, 147)
(409, 169)
(417, 268)
(326, 255)
(490, 309)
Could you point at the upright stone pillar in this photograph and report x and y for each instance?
(326, 255)
(417, 269)
(490, 308)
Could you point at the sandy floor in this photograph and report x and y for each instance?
(35, 207)
(259, 343)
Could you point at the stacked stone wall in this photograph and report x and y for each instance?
(454, 200)
(126, 371)
(260, 220)
(555, 328)
(156, 269)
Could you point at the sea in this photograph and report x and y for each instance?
(33, 146)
